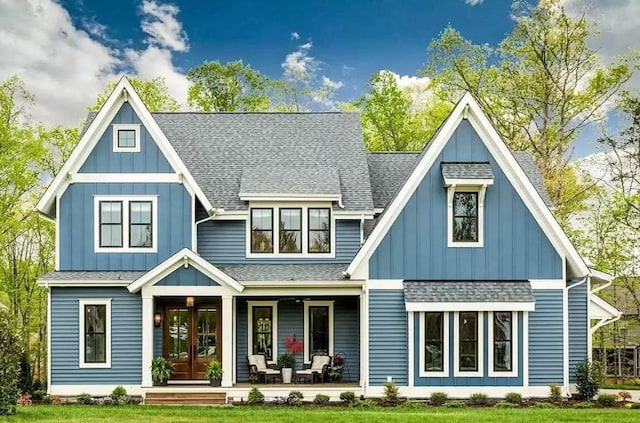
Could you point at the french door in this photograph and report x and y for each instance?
(192, 339)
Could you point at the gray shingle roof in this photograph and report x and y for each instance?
(284, 272)
(466, 170)
(296, 180)
(387, 171)
(91, 276)
(526, 162)
(462, 291)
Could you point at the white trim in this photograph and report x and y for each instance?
(303, 284)
(505, 161)
(83, 283)
(305, 292)
(456, 347)
(514, 347)
(234, 338)
(588, 322)
(484, 306)
(381, 284)
(605, 310)
(547, 284)
(159, 178)
(525, 348)
(274, 325)
(185, 257)
(186, 291)
(57, 246)
(125, 214)
(364, 342)
(82, 303)
(462, 392)
(353, 215)
(290, 197)
(94, 390)
(411, 348)
(194, 227)
(147, 339)
(307, 325)
(445, 344)
(49, 339)
(125, 127)
(565, 338)
(467, 182)
(603, 276)
(227, 341)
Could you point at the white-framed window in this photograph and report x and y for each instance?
(468, 343)
(434, 343)
(318, 329)
(503, 343)
(126, 138)
(126, 224)
(95, 333)
(290, 231)
(262, 319)
(465, 216)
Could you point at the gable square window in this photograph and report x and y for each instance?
(95, 333)
(126, 224)
(126, 138)
(261, 230)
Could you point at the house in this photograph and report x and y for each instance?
(200, 236)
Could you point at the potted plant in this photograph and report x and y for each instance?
(214, 373)
(287, 360)
(161, 371)
(335, 371)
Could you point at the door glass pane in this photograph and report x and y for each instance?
(262, 331)
(319, 327)
(207, 332)
(178, 333)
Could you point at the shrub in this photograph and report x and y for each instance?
(478, 399)
(321, 399)
(10, 364)
(412, 405)
(504, 404)
(348, 397)
(255, 396)
(583, 405)
(543, 405)
(295, 398)
(39, 395)
(438, 398)
(555, 393)
(513, 398)
(606, 400)
(119, 396)
(366, 403)
(391, 393)
(26, 381)
(25, 399)
(39, 385)
(161, 370)
(588, 379)
(47, 399)
(634, 405)
(84, 399)
(455, 404)
(624, 396)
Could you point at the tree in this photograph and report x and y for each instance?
(153, 92)
(540, 87)
(392, 120)
(228, 87)
(9, 365)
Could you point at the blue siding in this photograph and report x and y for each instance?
(104, 160)
(187, 277)
(157, 334)
(387, 337)
(347, 336)
(545, 339)
(76, 224)
(578, 327)
(467, 381)
(224, 242)
(126, 341)
(415, 247)
(242, 373)
(290, 322)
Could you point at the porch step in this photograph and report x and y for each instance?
(185, 398)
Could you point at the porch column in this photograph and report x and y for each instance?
(147, 340)
(227, 341)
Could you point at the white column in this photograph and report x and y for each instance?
(147, 340)
(227, 341)
(364, 339)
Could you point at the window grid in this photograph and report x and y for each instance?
(262, 236)
(319, 230)
(465, 216)
(434, 341)
(110, 224)
(126, 138)
(318, 330)
(141, 224)
(290, 232)
(95, 333)
(263, 331)
(468, 339)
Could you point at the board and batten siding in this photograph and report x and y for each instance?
(186, 277)
(104, 160)
(578, 327)
(546, 354)
(126, 338)
(387, 337)
(515, 247)
(76, 226)
(224, 242)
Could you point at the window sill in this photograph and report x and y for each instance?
(453, 244)
(462, 373)
(125, 250)
(443, 373)
(290, 255)
(94, 365)
(513, 373)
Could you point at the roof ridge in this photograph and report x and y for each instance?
(393, 152)
(187, 112)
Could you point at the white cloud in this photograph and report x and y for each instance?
(164, 29)
(299, 64)
(295, 36)
(417, 87)
(330, 84)
(473, 2)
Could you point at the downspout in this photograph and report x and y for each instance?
(565, 363)
(362, 230)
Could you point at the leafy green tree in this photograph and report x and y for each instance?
(540, 87)
(9, 365)
(153, 92)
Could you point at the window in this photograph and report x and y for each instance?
(503, 347)
(126, 138)
(290, 230)
(319, 231)
(95, 333)
(434, 342)
(468, 342)
(465, 217)
(261, 230)
(318, 328)
(126, 224)
(263, 328)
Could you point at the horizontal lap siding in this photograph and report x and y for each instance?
(242, 373)
(578, 328)
(387, 337)
(546, 339)
(126, 340)
(347, 336)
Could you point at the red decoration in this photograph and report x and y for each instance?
(293, 344)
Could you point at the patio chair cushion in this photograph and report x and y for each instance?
(319, 361)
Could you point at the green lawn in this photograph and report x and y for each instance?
(153, 414)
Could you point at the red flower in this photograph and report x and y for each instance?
(293, 344)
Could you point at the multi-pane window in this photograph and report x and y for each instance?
(126, 138)
(291, 230)
(318, 330)
(468, 341)
(95, 333)
(319, 230)
(110, 224)
(263, 331)
(465, 217)
(140, 224)
(434, 341)
(503, 341)
(262, 230)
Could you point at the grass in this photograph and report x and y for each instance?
(156, 414)
(622, 387)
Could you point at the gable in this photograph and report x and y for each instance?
(515, 246)
(187, 277)
(103, 159)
